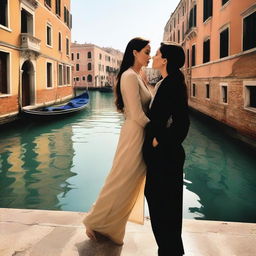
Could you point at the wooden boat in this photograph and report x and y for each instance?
(76, 104)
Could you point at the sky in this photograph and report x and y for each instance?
(112, 23)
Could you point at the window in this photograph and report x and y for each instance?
(193, 60)
(77, 67)
(77, 78)
(65, 14)
(249, 34)
(89, 55)
(67, 17)
(4, 58)
(183, 32)
(194, 90)
(78, 56)
(67, 46)
(64, 74)
(174, 36)
(49, 35)
(83, 78)
(70, 22)
(178, 36)
(49, 74)
(60, 74)
(4, 13)
(207, 87)
(58, 7)
(59, 41)
(48, 2)
(224, 1)
(192, 17)
(89, 78)
(206, 53)
(68, 75)
(224, 93)
(207, 9)
(224, 43)
(89, 66)
(26, 22)
(100, 56)
(188, 58)
(72, 56)
(250, 96)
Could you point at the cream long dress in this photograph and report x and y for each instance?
(122, 195)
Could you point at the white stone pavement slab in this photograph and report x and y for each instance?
(59, 233)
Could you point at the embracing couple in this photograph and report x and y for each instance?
(149, 157)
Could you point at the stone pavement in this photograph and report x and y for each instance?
(25, 232)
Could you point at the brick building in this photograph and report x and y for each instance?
(94, 66)
(219, 38)
(35, 66)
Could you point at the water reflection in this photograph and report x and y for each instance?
(35, 163)
(221, 174)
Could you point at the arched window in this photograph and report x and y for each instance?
(89, 78)
(89, 55)
(89, 66)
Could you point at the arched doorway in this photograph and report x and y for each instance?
(27, 79)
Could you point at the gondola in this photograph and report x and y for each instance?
(76, 104)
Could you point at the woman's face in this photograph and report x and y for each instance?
(143, 56)
(158, 61)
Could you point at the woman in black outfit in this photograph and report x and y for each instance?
(163, 151)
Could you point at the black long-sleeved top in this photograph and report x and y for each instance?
(170, 103)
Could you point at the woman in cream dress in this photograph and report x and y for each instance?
(122, 196)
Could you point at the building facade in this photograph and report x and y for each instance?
(35, 66)
(219, 39)
(94, 66)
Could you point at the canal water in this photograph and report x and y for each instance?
(62, 164)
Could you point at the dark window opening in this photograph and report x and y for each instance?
(224, 43)
(3, 72)
(207, 9)
(206, 53)
(249, 32)
(4, 13)
(224, 94)
(207, 86)
(193, 61)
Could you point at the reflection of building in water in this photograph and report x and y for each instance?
(35, 169)
(213, 171)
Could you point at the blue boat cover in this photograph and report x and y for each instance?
(76, 102)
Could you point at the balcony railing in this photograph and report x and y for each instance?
(31, 3)
(191, 32)
(30, 43)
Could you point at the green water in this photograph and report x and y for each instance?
(62, 164)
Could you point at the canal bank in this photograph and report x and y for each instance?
(26, 232)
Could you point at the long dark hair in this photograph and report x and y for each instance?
(175, 56)
(137, 44)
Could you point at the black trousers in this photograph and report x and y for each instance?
(164, 193)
